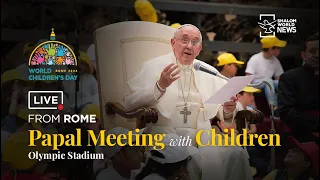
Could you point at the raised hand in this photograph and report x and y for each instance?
(41, 50)
(168, 76)
(51, 50)
(61, 50)
(39, 58)
(50, 61)
(230, 106)
(59, 60)
(33, 62)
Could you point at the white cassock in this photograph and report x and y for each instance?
(215, 162)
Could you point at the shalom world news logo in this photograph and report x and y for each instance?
(52, 61)
(271, 25)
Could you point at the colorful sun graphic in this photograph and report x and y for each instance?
(52, 53)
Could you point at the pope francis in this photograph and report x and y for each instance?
(171, 84)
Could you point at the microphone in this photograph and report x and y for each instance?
(201, 67)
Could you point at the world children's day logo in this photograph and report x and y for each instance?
(52, 61)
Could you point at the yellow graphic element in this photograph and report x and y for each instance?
(102, 139)
(52, 35)
(233, 139)
(151, 140)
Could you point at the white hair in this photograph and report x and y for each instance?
(185, 25)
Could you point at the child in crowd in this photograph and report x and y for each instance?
(15, 155)
(302, 162)
(123, 161)
(90, 109)
(93, 109)
(19, 121)
(228, 65)
(242, 120)
(245, 101)
(266, 66)
(77, 168)
(88, 86)
(169, 163)
(17, 98)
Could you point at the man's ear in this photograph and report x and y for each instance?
(172, 41)
(200, 48)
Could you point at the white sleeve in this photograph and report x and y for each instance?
(251, 69)
(142, 98)
(157, 93)
(279, 69)
(143, 90)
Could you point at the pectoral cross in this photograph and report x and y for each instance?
(185, 113)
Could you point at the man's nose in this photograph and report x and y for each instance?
(189, 45)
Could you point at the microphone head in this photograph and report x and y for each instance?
(197, 65)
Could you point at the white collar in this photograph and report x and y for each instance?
(184, 68)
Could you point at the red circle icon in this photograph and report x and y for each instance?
(60, 107)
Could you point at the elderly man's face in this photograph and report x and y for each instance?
(186, 44)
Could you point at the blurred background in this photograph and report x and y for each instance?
(226, 26)
(231, 25)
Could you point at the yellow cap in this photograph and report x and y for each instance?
(12, 74)
(24, 114)
(84, 57)
(227, 58)
(251, 89)
(175, 25)
(146, 11)
(91, 109)
(253, 171)
(269, 42)
(16, 149)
